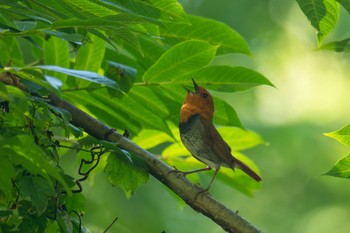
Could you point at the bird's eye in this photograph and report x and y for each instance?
(205, 95)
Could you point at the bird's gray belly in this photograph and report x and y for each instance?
(193, 135)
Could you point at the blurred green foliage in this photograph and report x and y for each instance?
(123, 62)
(50, 50)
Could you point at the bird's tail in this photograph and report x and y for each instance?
(247, 170)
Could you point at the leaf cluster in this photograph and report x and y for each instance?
(323, 16)
(124, 62)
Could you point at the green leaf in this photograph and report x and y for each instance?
(37, 190)
(337, 46)
(180, 60)
(342, 135)
(224, 114)
(91, 55)
(72, 37)
(239, 139)
(56, 53)
(122, 172)
(341, 168)
(156, 10)
(117, 20)
(210, 31)
(228, 78)
(7, 172)
(124, 75)
(150, 138)
(82, 74)
(24, 25)
(345, 4)
(33, 159)
(323, 15)
(76, 202)
(85, 6)
(131, 109)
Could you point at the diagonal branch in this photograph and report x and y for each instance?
(226, 218)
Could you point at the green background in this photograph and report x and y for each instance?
(311, 98)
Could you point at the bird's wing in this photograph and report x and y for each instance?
(223, 151)
(217, 143)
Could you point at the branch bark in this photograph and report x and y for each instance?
(205, 204)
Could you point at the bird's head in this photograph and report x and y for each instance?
(198, 102)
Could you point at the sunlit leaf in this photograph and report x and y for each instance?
(150, 138)
(180, 60)
(342, 135)
(323, 15)
(239, 139)
(341, 168)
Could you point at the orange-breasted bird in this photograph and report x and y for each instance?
(201, 138)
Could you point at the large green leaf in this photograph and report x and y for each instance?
(122, 172)
(342, 135)
(180, 60)
(37, 190)
(323, 15)
(210, 31)
(228, 78)
(341, 168)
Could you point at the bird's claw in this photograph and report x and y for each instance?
(178, 172)
(202, 193)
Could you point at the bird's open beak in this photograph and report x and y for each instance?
(195, 88)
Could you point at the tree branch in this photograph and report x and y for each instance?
(205, 204)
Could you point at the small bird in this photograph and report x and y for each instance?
(201, 138)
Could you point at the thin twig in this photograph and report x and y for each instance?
(110, 225)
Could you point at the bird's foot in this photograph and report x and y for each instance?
(178, 172)
(202, 193)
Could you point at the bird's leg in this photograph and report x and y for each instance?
(190, 172)
(209, 186)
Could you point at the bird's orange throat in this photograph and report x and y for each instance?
(188, 110)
